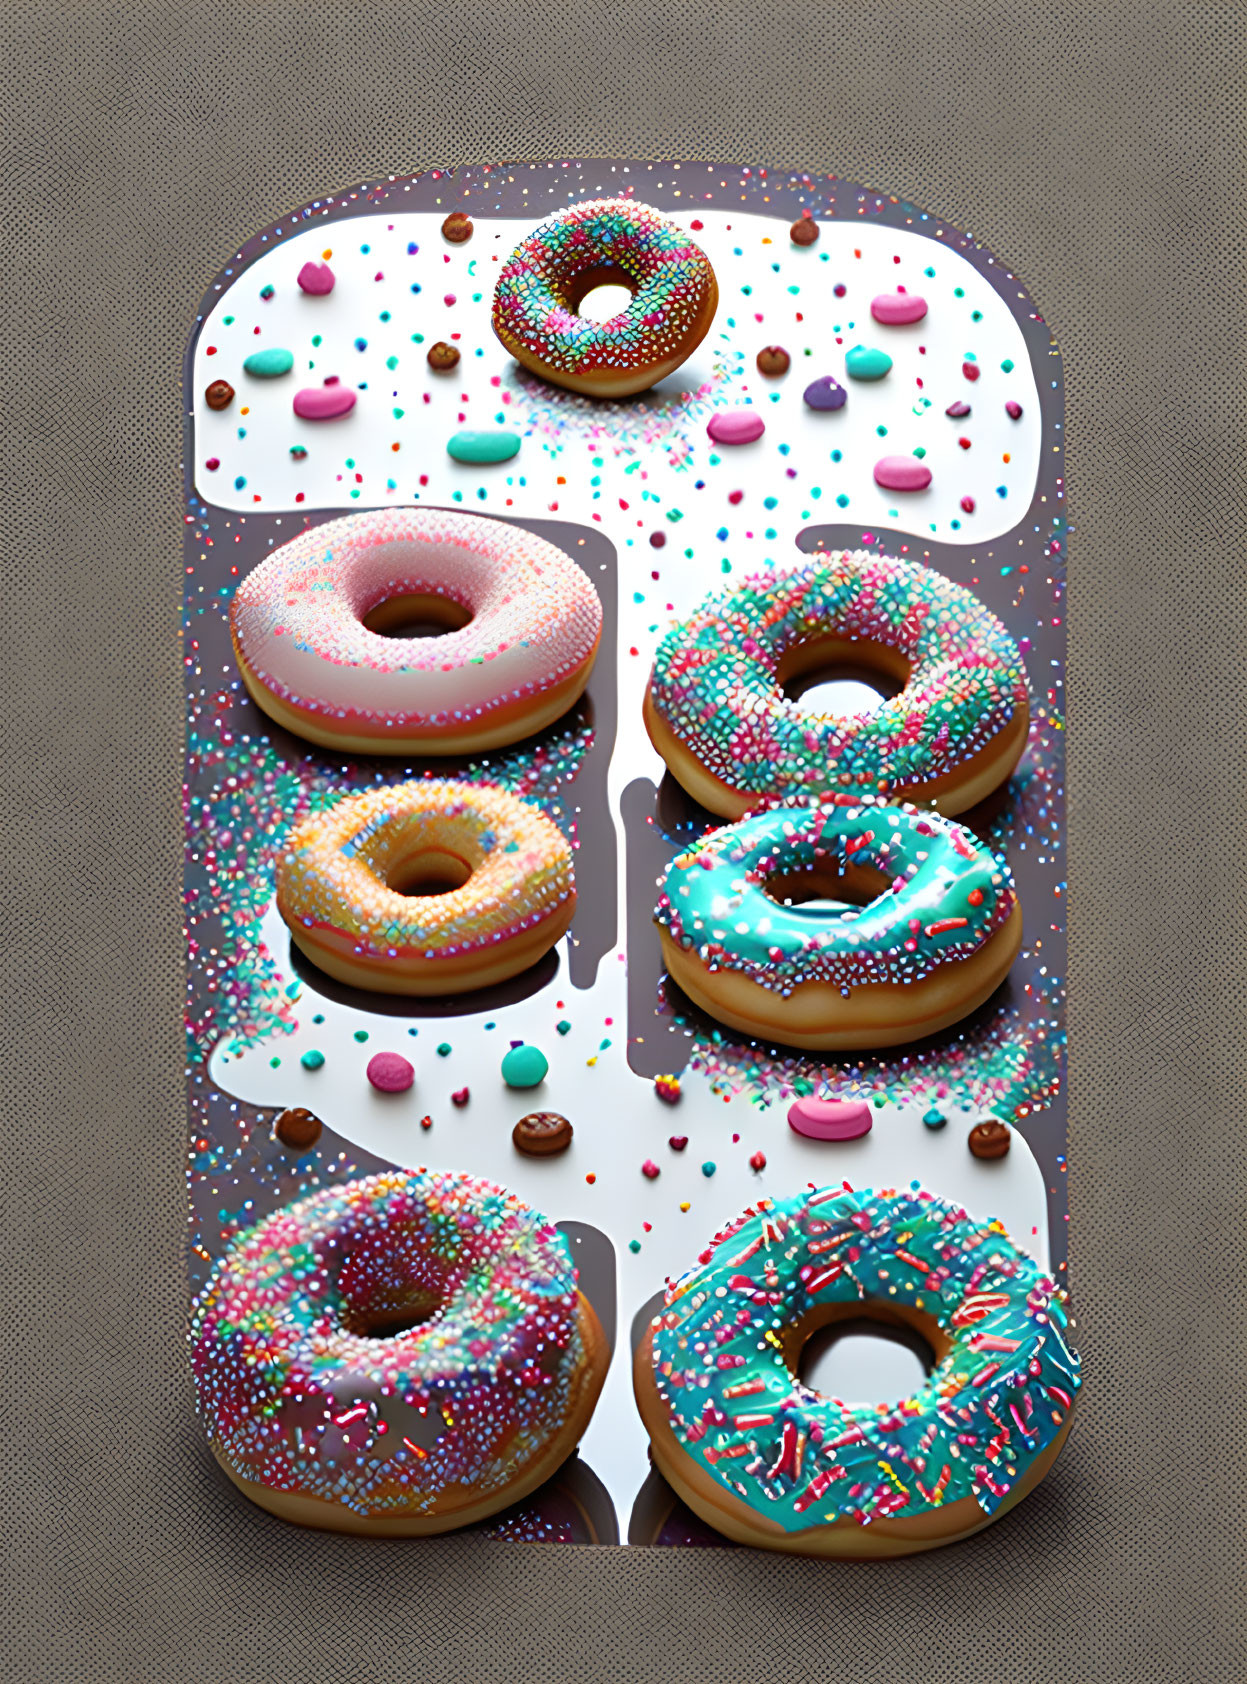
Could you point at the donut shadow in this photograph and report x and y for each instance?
(468, 1004)
(572, 1507)
(661, 1519)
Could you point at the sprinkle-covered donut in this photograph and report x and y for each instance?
(522, 629)
(934, 930)
(399, 1355)
(770, 1462)
(717, 713)
(428, 887)
(605, 242)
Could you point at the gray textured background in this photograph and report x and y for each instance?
(1096, 149)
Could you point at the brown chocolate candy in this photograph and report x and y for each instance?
(443, 356)
(457, 228)
(990, 1139)
(220, 395)
(773, 361)
(804, 231)
(298, 1128)
(542, 1132)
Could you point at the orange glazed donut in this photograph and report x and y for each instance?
(488, 879)
(522, 629)
(605, 242)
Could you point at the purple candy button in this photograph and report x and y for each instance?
(830, 1119)
(324, 403)
(736, 426)
(1013, 410)
(390, 1072)
(902, 473)
(316, 278)
(898, 309)
(825, 393)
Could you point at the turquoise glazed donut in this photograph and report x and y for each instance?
(938, 929)
(605, 242)
(770, 1462)
(717, 712)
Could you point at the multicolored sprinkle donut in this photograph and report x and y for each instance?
(605, 242)
(399, 1355)
(770, 1462)
(937, 928)
(522, 625)
(717, 713)
(428, 887)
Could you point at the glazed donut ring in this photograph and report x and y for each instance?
(489, 878)
(770, 1462)
(938, 929)
(522, 625)
(398, 1356)
(717, 713)
(605, 242)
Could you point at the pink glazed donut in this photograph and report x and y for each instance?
(522, 622)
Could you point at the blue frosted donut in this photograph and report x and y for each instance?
(768, 1461)
(937, 930)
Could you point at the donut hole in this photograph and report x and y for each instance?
(841, 678)
(426, 872)
(604, 303)
(867, 1353)
(822, 889)
(387, 1319)
(390, 1285)
(600, 293)
(416, 614)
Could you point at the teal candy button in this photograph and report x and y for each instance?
(267, 365)
(484, 447)
(865, 363)
(524, 1067)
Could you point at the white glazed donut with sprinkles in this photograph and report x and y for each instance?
(522, 626)
(428, 887)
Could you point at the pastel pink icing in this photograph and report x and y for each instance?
(902, 473)
(297, 620)
(830, 1119)
(898, 309)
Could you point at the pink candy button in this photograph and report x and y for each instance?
(901, 473)
(390, 1072)
(830, 1119)
(316, 278)
(898, 309)
(736, 426)
(324, 403)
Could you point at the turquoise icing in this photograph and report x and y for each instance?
(994, 1402)
(716, 682)
(947, 894)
